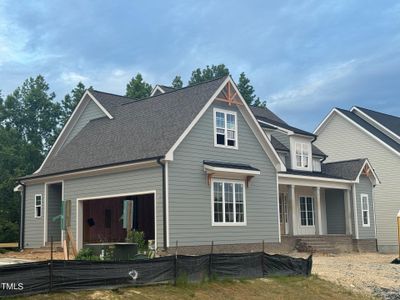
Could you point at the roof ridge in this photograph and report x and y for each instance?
(176, 90)
(112, 94)
(346, 160)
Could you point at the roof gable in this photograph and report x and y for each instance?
(88, 108)
(363, 125)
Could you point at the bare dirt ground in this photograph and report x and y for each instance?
(32, 255)
(367, 273)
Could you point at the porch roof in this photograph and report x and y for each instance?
(231, 166)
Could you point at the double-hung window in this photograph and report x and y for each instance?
(38, 206)
(302, 155)
(228, 205)
(225, 128)
(365, 210)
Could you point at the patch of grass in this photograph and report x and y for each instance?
(296, 287)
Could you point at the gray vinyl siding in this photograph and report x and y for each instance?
(54, 198)
(342, 140)
(34, 227)
(365, 187)
(335, 211)
(190, 219)
(135, 181)
(91, 112)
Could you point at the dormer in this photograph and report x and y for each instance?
(301, 153)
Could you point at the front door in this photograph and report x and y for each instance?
(283, 213)
(306, 215)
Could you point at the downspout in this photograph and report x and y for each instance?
(164, 198)
(22, 222)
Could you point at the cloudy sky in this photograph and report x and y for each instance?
(303, 57)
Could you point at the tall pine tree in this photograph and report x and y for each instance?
(177, 83)
(70, 101)
(209, 73)
(137, 88)
(248, 92)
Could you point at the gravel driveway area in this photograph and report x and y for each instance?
(366, 273)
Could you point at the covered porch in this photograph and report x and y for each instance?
(314, 207)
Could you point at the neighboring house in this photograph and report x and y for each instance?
(192, 165)
(363, 132)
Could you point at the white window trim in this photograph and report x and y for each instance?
(41, 206)
(213, 223)
(215, 110)
(302, 167)
(313, 210)
(362, 210)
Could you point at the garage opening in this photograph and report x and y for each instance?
(110, 219)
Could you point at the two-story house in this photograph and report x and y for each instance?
(347, 134)
(194, 165)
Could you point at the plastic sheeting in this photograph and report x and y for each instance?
(57, 275)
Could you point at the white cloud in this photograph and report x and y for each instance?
(73, 77)
(309, 89)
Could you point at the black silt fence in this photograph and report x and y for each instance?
(59, 275)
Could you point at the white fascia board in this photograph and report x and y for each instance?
(372, 120)
(99, 105)
(157, 87)
(77, 111)
(210, 169)
(305, 181)
(324, 121)
(287, 131)
(18, 188)
(312, 178)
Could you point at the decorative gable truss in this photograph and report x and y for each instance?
(229, 93)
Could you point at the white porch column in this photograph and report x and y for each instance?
(318, 217)
(291, 209)
(347, 212)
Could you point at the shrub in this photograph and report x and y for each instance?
(86, 254)
(138, 238)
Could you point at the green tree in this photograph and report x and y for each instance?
(32, 111)
(137, 88)
(70, 101)
(17, 158)
(209, 73)
(177, 83)
(248, 92)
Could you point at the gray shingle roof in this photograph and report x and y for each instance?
(278, 145)
(377, 133)
(140, 129)
(264, 114)
(317, 151)
(311, 174)
(347, 169)
(389, 121)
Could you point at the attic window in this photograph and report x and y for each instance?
(225, 129)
